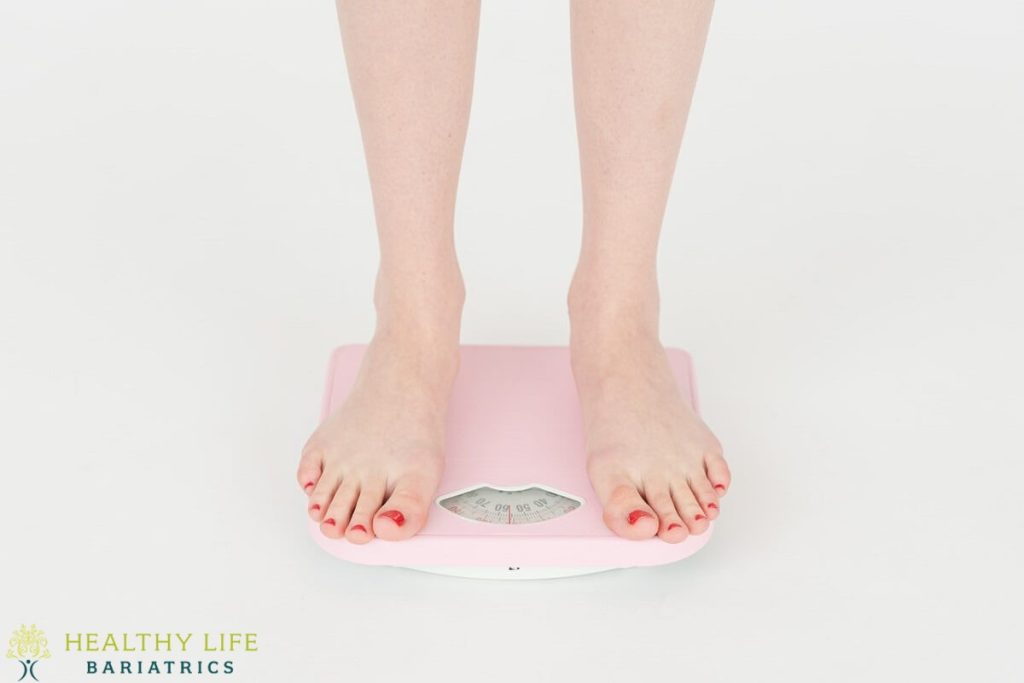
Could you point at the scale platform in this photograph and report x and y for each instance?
(514, 501)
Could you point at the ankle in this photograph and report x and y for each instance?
(606, 313)
(424, 304)
(418, 323)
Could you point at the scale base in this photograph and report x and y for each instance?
(514, 425)
(513, 573)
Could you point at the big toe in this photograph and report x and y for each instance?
(404, 513)
(628, 515)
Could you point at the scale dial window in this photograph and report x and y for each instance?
(492, 505)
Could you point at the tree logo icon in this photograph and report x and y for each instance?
(28, 646)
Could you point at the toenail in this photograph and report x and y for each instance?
(719, 487)
(673, 526)
(308, 486)
(713, 506)
(635, 515)
(359, 527)
(395, 516)
(697, 518)
(315, 506)
(329, 520)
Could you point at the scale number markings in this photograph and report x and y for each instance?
(509, 506)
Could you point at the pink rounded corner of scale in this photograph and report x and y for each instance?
(346, 355)
(342, 363)
(682, 363)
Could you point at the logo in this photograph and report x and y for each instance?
(28, 646)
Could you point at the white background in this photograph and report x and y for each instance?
(186, 233)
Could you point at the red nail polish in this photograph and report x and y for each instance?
(719, 487)
(673, 526)
(635, 515)
(359, 527)
(699, 517)
(713, 506)
(330, 521)
(308, 486)
(395, 516)
(315, 506)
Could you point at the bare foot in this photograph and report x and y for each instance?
(371, 469)
(654, 464)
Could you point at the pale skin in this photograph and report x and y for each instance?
(372, 468)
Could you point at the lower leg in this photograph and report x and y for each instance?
(371, 468)
(655, 466)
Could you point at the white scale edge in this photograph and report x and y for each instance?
(510, 573)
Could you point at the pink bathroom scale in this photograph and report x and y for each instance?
(514, 501)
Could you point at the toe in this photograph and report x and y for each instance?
(360, 525)
(339, 512)
(717, 472)
(705, 494)
(405, 511)
(670, 524)
(311, 465)
(689, 509)
(628, 515)
(322, 494)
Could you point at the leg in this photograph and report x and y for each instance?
(371, 469)
(656, 467)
